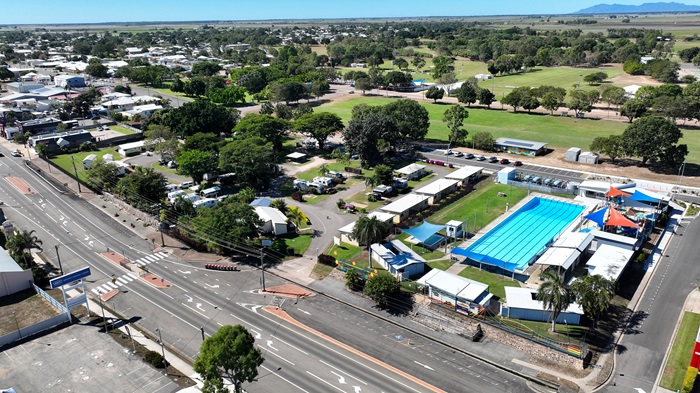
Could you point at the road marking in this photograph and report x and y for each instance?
(202, 314)
(211, 286)
(112, 285)
(272, 353)
(357, 389)
(324, 381)
(277, 338)
(185, 272)
(256, 334)
(273, 372)
(348, 374)
(121, 280)
(199, 306)
(341, 379)
(189, 299)
(305, 312)
(269, 344)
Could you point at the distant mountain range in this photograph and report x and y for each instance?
(634, 9)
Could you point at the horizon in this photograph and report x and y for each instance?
(179, 11)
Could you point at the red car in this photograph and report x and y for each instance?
(517, 163)
(504, 161)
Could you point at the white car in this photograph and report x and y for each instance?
(480, 158)
(448, 152)
(16, 154)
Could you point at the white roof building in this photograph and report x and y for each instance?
(609, 261)
(273, 220)
(437, 187)
(464, 173)
(406, 203)
(521, 303)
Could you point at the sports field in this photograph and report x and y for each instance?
(558, 132)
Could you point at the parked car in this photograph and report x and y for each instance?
(493, 159)
(16, 153)
(480, 158)
(469, 156)
(517, 163)
(459, 154)
(187, 184)
(505, 161)
(448, 152)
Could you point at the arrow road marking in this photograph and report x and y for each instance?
(639, 390)
(269, 344)
(65, 223)
(256, 335)
(189, 299)
(86, 238)
(424, 365)
(305, 312)
(185, 272)
(90, 243)
(357, 389)
(341, 379)
(211, 286)
(199, 306)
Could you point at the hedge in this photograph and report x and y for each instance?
(689, 381)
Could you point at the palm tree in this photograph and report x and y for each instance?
(323, 169)
(594, 294)
(296, 216)
(21, 243)
(371, 181)
(280, 205)
(554, 293)
(367, 231)
(246, 195)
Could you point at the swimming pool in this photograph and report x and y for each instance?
(513, 242)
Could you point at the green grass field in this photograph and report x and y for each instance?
(681, 352)
(442, 264)
(496, 282)
(483, 201)
(121, 130)
(64, 161)
(559, 132)
(300, 242)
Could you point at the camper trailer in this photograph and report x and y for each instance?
(88, 161)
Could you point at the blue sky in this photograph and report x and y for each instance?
(91, 11)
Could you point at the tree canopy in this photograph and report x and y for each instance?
(382, 288)
(200, 116)
(251, 159)
(228, 355)
(454, 117)
(266, 127)
(319, 125)
(654, 139)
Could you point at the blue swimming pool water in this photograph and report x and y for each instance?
(512, 243)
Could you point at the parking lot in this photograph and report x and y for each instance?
(81, 359)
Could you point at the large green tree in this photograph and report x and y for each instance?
(434, 93)
(483, 140)
(251, 159)
(163, 140)
(319, 125)
(200, 116)
(382, 288)
(270, 129)
(467, 93)
(554, 294)
(594, 294)
(454, 117)
(411, 118)
(367, 231)
(369, 126)
(204, 141)
(582, 101)
(611, 146)
(442, 65)
(224, 226)
(654, 139)
(196, 163)
(633, 109)
(142, 189)
(228, 357)
(102, 176)
(20, 244)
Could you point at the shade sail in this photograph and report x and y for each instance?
(618, 220)
(642, 197)
(598, 216)
(424, 231)
(511, 267)
(615, 192)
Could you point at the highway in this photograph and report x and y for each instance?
(296, 360)
(642, 349)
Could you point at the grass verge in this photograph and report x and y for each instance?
(681, 352)
(496, 282)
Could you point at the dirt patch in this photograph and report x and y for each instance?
(561, 368)
(565, 386)
(23, 309)
(290, 290)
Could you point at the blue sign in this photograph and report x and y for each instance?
(70, 277)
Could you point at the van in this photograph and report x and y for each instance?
(212, 192)
(206, 202)
(172, 196)
(326, 181)
(185, 185)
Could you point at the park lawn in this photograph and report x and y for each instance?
(564, 77)
(64, 161)
(563, 333)
(483, 201)
(559, 132)
(121, 130)
(496, 282)
(426, 253)
(299, 242)
(165, 90)
(322, 271)
(442, 264)
(163, 168)
(336, 167)
(344, 251)
(681, 352)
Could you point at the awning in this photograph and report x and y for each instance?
(598, 216)
(424, 231)
(618, 220)
(615, 192)
(511, 267)
(642, 197)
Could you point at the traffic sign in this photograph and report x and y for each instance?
(70, 277)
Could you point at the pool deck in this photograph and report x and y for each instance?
(458, 267)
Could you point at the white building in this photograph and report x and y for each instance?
(521, 303)
(273, 220)
(464, 294)
(69, 80)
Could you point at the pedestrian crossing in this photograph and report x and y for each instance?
(150, 258)
(129, 277)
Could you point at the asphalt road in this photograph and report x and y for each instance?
(295, 359)
(642, 349)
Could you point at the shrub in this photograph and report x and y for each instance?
(154, 359)
(689, 381)
(642, 256)
(287, 189)
(326, 259)
(340, 203)
(297, 196)
(354, 280)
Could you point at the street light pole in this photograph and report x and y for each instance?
(131, 337)
(72, 160)
(17, 324)
(59, 259)
(162, 349)
(262, 266)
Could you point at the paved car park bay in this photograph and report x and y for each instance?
(78, 358)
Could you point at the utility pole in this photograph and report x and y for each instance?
(162, 349)
(262, 266)
(104, 320)
(131, 337)
(202, 329)
(59, 259)
(72, 160)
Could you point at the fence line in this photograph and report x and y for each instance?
(60, 307)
